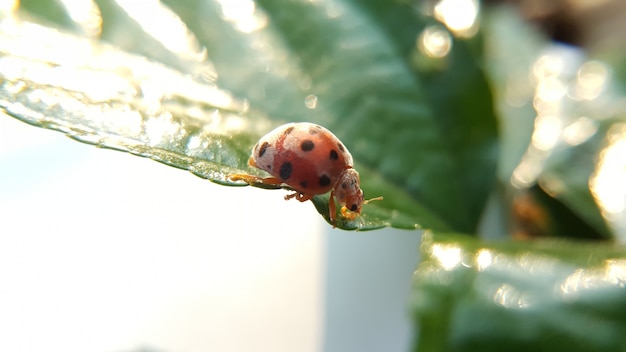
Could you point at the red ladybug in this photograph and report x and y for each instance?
(311, 160)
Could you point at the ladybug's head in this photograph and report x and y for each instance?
(348, 191)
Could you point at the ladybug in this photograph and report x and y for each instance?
(311, 160)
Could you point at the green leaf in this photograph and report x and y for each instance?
(428, 150)
(471, 295)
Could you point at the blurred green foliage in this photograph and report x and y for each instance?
(548, 296)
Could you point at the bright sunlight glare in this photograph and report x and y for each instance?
(547, 66)
(8, 6)
(547, 132)
(435, 42)
(458, 15)
(448, 256)
(165, 26)
(612, 273)
(243, 14)
(579, 131)
(560, 78)
(607, 183)
(484, 259)
(510, 297)
(86, 14)
(591, 80)
(311, 101)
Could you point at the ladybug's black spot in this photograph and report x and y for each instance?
(354, 207)
(315, 129)
(285, 170)
(263, 148)
(341, 147)
(287, 131)
(333, 155)
(324, 180)
(304, 184)
(307, 145)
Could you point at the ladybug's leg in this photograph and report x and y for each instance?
(332, 208)
(303, 197)
(250, 179)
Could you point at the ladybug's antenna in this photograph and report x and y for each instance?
(372, 199)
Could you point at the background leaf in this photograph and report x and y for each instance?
(555, 125)
(541, 296)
